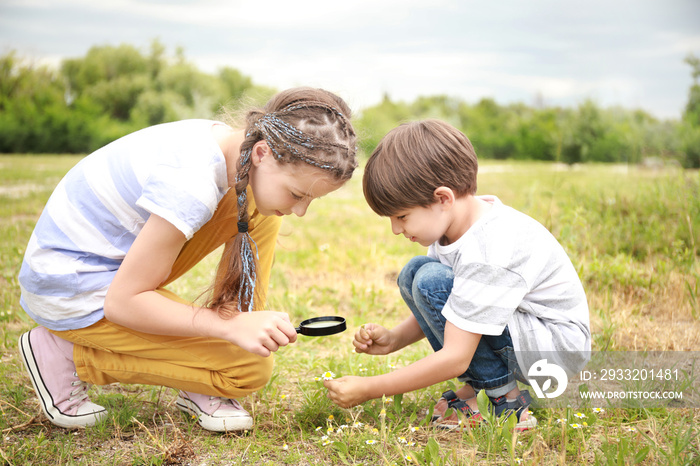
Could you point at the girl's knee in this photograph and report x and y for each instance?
(245, 379)
(258, 375)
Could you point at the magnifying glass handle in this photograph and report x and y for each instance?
(298, 329)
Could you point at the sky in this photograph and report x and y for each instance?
(625, 53)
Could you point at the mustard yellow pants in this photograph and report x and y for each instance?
(105, 352)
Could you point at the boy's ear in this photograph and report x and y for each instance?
(260, 150)
(444, 196)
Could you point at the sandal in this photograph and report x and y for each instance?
(461, 411)
(501, 406)
(445, 400)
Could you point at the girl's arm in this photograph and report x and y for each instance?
(133, 302)
(451, 361)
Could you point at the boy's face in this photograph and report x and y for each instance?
(423, 225)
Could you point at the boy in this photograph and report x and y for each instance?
(495, 293)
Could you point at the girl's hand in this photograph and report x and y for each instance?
(374, 339)
(347, 391)
(260, 332)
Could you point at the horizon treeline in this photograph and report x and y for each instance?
(114, 90)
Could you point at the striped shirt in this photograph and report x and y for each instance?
(509, 270)
(174, 170)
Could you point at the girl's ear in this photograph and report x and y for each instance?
(445, 197)
(260, 150)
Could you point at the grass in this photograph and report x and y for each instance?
(632, 234)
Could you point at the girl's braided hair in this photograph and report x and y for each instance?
(300, 125)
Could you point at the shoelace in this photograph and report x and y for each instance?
(78, 395)
(218, 400)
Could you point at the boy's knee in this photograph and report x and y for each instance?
(433, 276)
(407, 274)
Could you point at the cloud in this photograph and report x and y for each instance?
(618, 51)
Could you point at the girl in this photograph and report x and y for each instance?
(137, 214)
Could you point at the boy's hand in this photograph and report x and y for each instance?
(347, 391)
(373, 339)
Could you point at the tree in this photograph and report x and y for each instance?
(375, 122)
(692, 108)
(111, 77)
(689, 133)
(234, 82)
(33, 113)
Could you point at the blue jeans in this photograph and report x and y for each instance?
(425, 285)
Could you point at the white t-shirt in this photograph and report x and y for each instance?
(509, 270)
(174, 170)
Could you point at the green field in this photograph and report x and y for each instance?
(633, 235)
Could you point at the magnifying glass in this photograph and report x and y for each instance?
(322, 326)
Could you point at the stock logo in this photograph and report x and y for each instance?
(542, 369)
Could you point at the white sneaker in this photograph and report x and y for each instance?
(214, 413)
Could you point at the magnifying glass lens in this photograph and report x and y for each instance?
(322, 326)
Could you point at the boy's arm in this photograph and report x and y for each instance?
(451, 361)
(408, 332)
(377, 340)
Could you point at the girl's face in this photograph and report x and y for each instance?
(285, 189)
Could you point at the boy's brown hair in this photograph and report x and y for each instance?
(414, 159)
